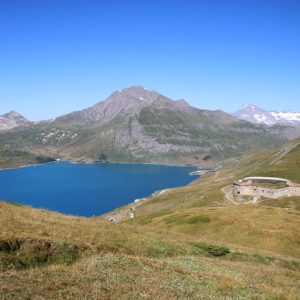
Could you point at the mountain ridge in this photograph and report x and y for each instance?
(131, 99)
(141, 125)
(256, 115)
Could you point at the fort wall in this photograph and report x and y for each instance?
(258, 191)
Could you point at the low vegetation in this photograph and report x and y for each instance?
(27, 253)
(291, 203)
(186, 219)
(95, 259)
(277, 185)
(10, 158)
(213, 249)
(187, 243)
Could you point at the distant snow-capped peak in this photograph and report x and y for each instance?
(251, 107)
(254, 114)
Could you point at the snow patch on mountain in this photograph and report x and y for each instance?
(263, 119)
(257, 115)
(286, 116)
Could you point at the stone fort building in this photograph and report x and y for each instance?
(269, 187)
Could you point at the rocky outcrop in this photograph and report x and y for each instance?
(12, 120)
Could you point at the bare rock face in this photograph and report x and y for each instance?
(11, 120)
(123, 102)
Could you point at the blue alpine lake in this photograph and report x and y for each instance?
(88, 189)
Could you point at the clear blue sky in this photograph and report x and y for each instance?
(57, 56)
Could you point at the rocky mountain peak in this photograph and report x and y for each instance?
(13, 115)
(134, 94)
(128, 101)
(257, 115)
(135, 98)
(252, 107)
(254, 114)
(12, 119)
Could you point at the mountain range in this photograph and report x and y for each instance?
(257, 115)
(141, 125)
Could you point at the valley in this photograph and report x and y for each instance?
(149, 150)
(198, 241)
(184, 241)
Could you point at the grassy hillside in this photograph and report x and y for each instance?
(217, 136)
(188, 243)
(207, 190)
(15, 158)
(48, 255)
(200, 209)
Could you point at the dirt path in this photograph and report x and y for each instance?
(285, 150)
(126, 213)
(129, 211)
(227, 191)
(216, 174)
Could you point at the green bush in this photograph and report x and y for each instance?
(186, 219)
(22, 254)
(198, 219)
(213, 249)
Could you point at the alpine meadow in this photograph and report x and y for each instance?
(149, 150)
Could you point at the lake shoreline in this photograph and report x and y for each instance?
(28, 165)
(108, 162)
(132, 181)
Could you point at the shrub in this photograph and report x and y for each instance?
(198, 219)
(186, 219)
(22, 254)
(213, 249)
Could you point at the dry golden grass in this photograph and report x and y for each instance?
(163, 253)
(132, 261)
(112, 276)
(253, 227)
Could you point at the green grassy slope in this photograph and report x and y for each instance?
(283, 162)
(185, 244)
(15, 158)
(47, 255)
(255, 226)
(217, 136)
